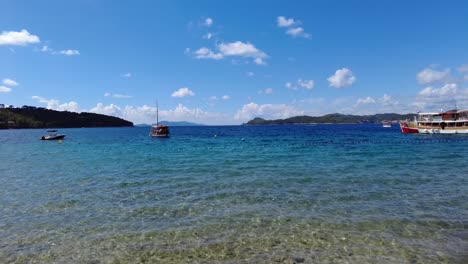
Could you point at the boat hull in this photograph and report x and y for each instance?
(414, 129)
(57, 137)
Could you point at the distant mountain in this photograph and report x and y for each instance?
(38, 117)
(332, 118)
(173, 123)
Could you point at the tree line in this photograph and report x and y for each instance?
(39, 117)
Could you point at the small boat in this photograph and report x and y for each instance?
(53, 135)
(448, 122)
(387, 124)
(157, 130)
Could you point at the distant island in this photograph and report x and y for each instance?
(332, 119)
(38, 117)
(173, 123)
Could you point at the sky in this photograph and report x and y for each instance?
(226, 62)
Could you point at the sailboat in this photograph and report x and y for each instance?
(157, 130)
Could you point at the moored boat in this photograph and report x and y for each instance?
(53, 135)
(157, 130)
(448, 122)
(387, 124)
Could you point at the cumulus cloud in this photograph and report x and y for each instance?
(232, 49)
(206, 53)
(464, 69)
(239, 48)
(146, 114)
(290, 86)
(55, 104)
(9, 82)
(307, 84)
(69, 52)
(449, 89)
(428, 76)
(226, 97)
(4, 89)
(297, 32)
(266, 91)
(208, 22)
(448, 95)
(183, 92)
(388, 100)
(367, 100)
(18, 38)
(284, 22)
(208, 35)
(292, 28)
(46, 49)
(342, 78)
(270, 111)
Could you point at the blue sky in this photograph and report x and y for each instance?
(219, 62)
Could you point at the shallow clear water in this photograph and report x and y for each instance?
(285, 194)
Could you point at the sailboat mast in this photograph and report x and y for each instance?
(157, 114)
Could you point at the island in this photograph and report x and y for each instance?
(38, 117)
(332, 119)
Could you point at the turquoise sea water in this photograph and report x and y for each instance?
(284, 194)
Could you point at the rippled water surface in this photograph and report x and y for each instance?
(234, 194)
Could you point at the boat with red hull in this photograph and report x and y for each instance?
(448, 122)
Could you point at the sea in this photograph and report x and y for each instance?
(325, 193)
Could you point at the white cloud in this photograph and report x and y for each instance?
(297, 32)
(367, 100)
(342, 78)
(266, 91)
(250, 74)
(447, 96)
(183, 92)
(112, 110)
(307, 84)
(205, 53)
(46, 49)
(233, 49)
(18, 38)
(448, 89)
(226, 97)
(55, 104)
(214, 97)
(464, 69)
(292, 28)
(291, 86)
(9, 82)
(270, 111)
(69, 52)
(388, 100)
(239, 48)
(122, 96)
(428, 76)
(208, 35)
(4, 89)
(126, 75)
(285, 22)
(259, 61)
(208, 22)
(146, 114)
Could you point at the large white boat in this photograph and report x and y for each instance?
(53, 135)
(448, 122)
